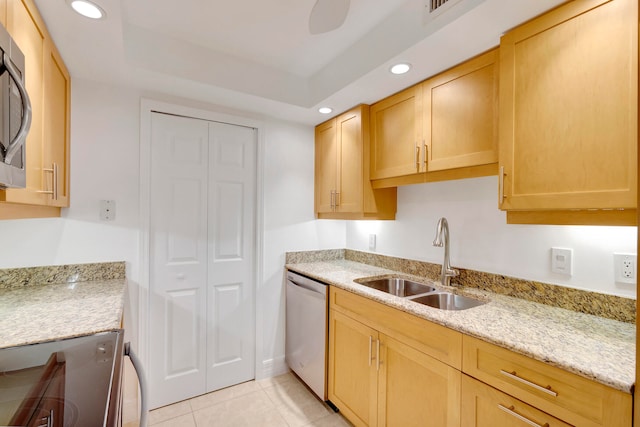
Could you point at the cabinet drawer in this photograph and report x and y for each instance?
(572, 398)
(484, 406)
(437, 341)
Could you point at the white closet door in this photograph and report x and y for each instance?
(178, 245)
(202, 244)
(232, 194)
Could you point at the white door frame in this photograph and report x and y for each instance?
(147, 106)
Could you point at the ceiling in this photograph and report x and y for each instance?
(257, 56)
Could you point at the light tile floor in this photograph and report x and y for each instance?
(281, 401)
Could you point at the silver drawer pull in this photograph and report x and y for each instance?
(513, 376)
(511, 412)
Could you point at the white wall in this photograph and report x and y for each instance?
(481, 239)
(105, 164)
(289, 225)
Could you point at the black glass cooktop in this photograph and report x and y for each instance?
(61, 383)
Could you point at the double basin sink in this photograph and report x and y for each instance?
(421, 293)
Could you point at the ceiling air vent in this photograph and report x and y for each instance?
(436, 4)
(448, 9)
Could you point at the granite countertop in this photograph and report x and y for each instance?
(596, 348)
(38, 313)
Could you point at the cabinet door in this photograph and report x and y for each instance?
(484, 406)
(28, 31)
(326, 163)
(3, 12)
(416, 389)
(460, 114)
(568, 108)
(352, 368)
(56, 127)
(396, 135)
(350, 167)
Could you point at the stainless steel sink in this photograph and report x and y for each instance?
(397, 286)
(447, 301)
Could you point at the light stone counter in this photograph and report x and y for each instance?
(594, 347)
(38, 313)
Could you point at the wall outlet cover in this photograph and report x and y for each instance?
(107, 210)
(372, 242)
(562, 261)
(625, 267)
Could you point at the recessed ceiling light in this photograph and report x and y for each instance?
(325, 110)
(87, 8)
(400, 68)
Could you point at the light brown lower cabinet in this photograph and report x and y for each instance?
(379, 380)
(390, 368)
(568, 397)
(484, 406)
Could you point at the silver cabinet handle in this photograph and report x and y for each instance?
(378, 355)
(332, 199)
(513, 376)
(20, 138)
(370, 348)
(418, 157)
(54, 181)
(511, 412)
(501, 186)
(48, 419)
(337, 199)
(426, 156)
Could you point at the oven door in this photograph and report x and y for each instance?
(73, 382)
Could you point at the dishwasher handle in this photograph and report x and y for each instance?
(305, 283)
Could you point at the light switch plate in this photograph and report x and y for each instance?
(562, 261)
(372, 242)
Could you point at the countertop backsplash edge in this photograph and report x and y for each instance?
(603, 305)
(11, 278)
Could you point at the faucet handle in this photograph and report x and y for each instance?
(453, 272)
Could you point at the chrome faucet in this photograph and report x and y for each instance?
(447, 272)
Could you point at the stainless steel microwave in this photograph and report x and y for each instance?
(15, 113)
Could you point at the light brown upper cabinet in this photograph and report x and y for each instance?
(342, 186)
(47, 146)
(568, 115)
(396, 135)
(461, 115)
(444, 128)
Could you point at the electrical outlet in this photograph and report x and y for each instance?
(625, 266)
(372, 242)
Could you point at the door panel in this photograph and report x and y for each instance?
(232, 193)
(182, 332)
(350, 161)
(415, 389)
(353, 373)
(326, 161)
(229, 221)
(178, 258)
(224, 310)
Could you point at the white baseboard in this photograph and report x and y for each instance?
(272, 368)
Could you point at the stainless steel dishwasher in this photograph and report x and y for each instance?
(306, 331)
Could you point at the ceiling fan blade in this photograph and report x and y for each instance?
(327, 15)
